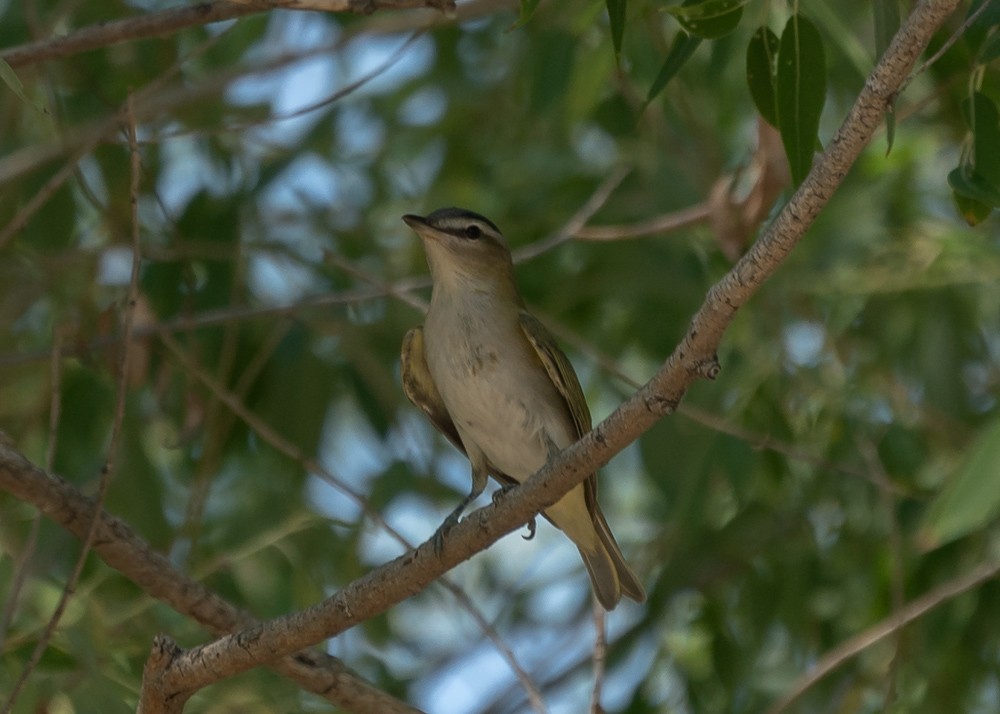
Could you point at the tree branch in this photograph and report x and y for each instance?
(166, 22)
(891, 625)
(122, 549)
(694, 357)
(271, 436)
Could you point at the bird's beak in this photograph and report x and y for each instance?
(414, 221)
(420, 225)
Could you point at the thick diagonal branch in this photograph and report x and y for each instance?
(122, 549)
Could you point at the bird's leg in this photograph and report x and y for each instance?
(479, 478)
(503, 491)
(551, 451)
(551, 448)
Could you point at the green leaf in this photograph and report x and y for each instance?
(681, 50)
(886, 14)
(971, 499)
(886, 23)
(966, 181)
(976, 182)
(990, 49)
(528, 8)
(708, 19)
(762, 66)
(10, 78)
(984, 121)
(555, 60)
(890, 127)
(616, 16)
(972, 211)
(801, 92)
(700, 10)
(985, 21)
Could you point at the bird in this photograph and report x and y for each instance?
(491, 377)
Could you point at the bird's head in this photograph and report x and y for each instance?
(463, 247)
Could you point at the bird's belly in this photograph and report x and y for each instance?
(513, 416)
(509, 416)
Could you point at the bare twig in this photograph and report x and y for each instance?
(218, 427)
(55, 411)
(221, 316)
(166, 22)
(122, 549)
(276, 440)
(888, 627)
(673, 221)
(578, 220)
(531, 690)
(42, 195)
(754, 439)
(271, 436)
(107, 472)
(600, 657)
(948, 43)
(148, 104)
(108, 34)
(389, 62)
(402, 292)
(896, 570)
(84, 142)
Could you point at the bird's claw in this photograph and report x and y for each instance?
(503, 491)
(439, 535)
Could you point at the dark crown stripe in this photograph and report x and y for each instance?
(443, 215)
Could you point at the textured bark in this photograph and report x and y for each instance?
(122, 549)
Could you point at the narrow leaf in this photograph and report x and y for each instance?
(886, 23)
(10, 78)
(801, 92)
(971, 499)
(886, 15)
(616, 16)
(700, 10)
(528, 8)
(680, 51)
(987, 16)
(984, 121)
(990, 49)
(709, 19)
(762, 65)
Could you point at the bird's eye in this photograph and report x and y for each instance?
(473, 232)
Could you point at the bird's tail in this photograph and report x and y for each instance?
(610, 575)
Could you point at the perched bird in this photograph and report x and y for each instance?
(493, 380)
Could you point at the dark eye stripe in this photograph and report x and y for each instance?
(473, 232)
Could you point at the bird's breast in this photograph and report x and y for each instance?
(496, 391)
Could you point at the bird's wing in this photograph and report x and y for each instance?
(559, 369)
(561, 373)
(418, 385)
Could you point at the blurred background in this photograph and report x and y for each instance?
(845, 462)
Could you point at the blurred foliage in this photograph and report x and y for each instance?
(844, 461)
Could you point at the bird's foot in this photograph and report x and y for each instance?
(503, 491)
(439, 535)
